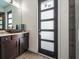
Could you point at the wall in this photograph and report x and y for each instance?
(16, 13)
(30, 18)
(1, 9)
(63, 29)
(77, 28)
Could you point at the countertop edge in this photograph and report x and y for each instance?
(8, 34)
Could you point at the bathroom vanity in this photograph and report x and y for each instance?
(13, 44)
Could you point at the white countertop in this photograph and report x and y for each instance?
(4, 33)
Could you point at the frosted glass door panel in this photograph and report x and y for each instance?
(47, 25)
(10, 20)
(47, 4)
(47, 14)
(10, 15)
(0, 22)
(47, 46)
(47, 35)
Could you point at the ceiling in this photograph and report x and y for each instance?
(3, 3)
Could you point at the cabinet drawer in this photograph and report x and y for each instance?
(22, 35)
(8, 41)
(5, 39)
(26, 35)
(14, 37)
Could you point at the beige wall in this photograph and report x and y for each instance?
(63, 29)
(30, 18)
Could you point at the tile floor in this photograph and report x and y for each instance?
(30, 55)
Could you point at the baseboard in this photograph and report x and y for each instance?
(31, 50)
(46, 56)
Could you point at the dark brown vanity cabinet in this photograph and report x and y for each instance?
(23, 43)
(14, 45)
(8, 47)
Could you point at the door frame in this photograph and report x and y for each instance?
(56, 27)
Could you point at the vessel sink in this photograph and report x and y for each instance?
(13, 31)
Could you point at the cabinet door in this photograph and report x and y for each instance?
(14, 46)
(22, 49)
(26, 40)
(24, 43)
(8, 47)
(4, 47)
(18, 46)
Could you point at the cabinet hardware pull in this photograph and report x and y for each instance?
(16, 43)
(11, 38)
(5, 38)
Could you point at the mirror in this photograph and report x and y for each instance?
(10, 14)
